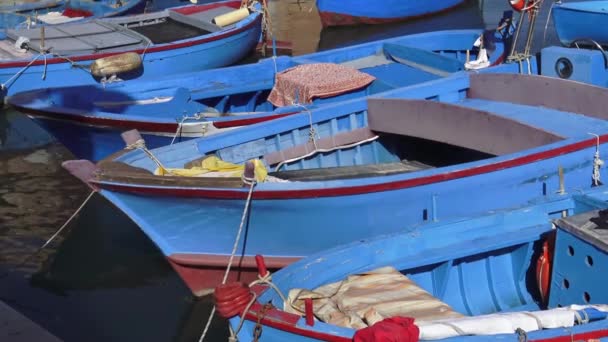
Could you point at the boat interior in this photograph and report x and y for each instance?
(460, 120)
(396, 135)
(496, 269)
(116, 34)
(395, 64)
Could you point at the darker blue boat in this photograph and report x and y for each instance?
(142, 46)
(509, 275)
(580, 22)
(89, 119)
(446, 148)
(353, 12)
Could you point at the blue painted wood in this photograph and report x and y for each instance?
(487, 265)
(206, 51)
(200, 225)
(337, 12)
(579, 20)
(581, 252)
(589, 66)
(239, 92)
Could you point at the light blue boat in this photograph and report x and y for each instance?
(162, 43)
(581, 22)
(497, 276)
(45, 12)
(446, 148)
(89, 119)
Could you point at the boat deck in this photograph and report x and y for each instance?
(566, 124)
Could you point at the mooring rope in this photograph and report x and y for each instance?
(49, 240)
(140, 144)
(18, 73)
(251, 182)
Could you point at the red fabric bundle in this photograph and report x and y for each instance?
(75, 12)
(302, 83)
(394, 329)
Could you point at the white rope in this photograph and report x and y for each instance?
(44, 70)
(266, 280)
(143, 54)
(69, 220)
(547, 22)
(597, 162)
(324, 150)
(312, 135)
(140, 144)
(65, 224)
(18, 73)
(579, 319)
(234, 248)
(185, 118)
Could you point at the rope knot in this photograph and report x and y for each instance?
(248, 177)
(138, 144)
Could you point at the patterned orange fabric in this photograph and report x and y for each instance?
(302, 83)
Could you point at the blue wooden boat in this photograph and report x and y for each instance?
(342, 171)
(142, 46)
(89, 119)
(44, 12)
(498, 276)
(353, 12)
(580, 21)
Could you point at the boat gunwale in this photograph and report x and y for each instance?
(149, 184)
(168, 126)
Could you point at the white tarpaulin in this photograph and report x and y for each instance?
(364, 299)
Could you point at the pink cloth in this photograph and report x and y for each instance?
(302, 83)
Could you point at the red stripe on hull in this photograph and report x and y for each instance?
(340, 19)
(352, 190)
(202, 273)
(144, 126)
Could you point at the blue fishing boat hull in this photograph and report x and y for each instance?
(195, 227)
(353, 12)
(204, 52)
(477, 265)
(580, 20)
(106, 9)
(84, 121)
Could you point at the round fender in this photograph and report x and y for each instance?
(116, 64)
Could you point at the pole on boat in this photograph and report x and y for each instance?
(42, 39)
(533, 15)
(517, 31)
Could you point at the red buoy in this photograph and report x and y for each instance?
(518, 5)
(543, 267)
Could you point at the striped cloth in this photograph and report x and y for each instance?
(302, 83)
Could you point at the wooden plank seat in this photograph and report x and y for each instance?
(355, 171)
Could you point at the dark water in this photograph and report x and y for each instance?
(103, 279)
